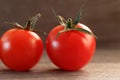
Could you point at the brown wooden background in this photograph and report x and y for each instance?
(102, 16)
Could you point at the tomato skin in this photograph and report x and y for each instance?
(20, 49)
(71, 50)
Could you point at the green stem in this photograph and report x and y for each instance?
(69, 23)
(15, 24)
(27, 26)
(30, 25)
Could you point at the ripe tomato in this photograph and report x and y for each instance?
(20, 49)
(72, 49)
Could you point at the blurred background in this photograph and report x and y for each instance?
(102, 16)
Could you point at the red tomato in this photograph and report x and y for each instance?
(71, 50)
(20, 49)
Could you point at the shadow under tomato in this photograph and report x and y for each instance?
(54, 73)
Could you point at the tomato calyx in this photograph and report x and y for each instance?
(69, 24)
(30, 25)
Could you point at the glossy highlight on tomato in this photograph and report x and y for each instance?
(72, 49)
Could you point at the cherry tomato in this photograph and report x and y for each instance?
(21, 49)
(72, 49)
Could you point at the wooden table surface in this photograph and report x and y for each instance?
(104, 66)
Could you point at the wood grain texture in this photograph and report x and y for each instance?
(104, 66)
